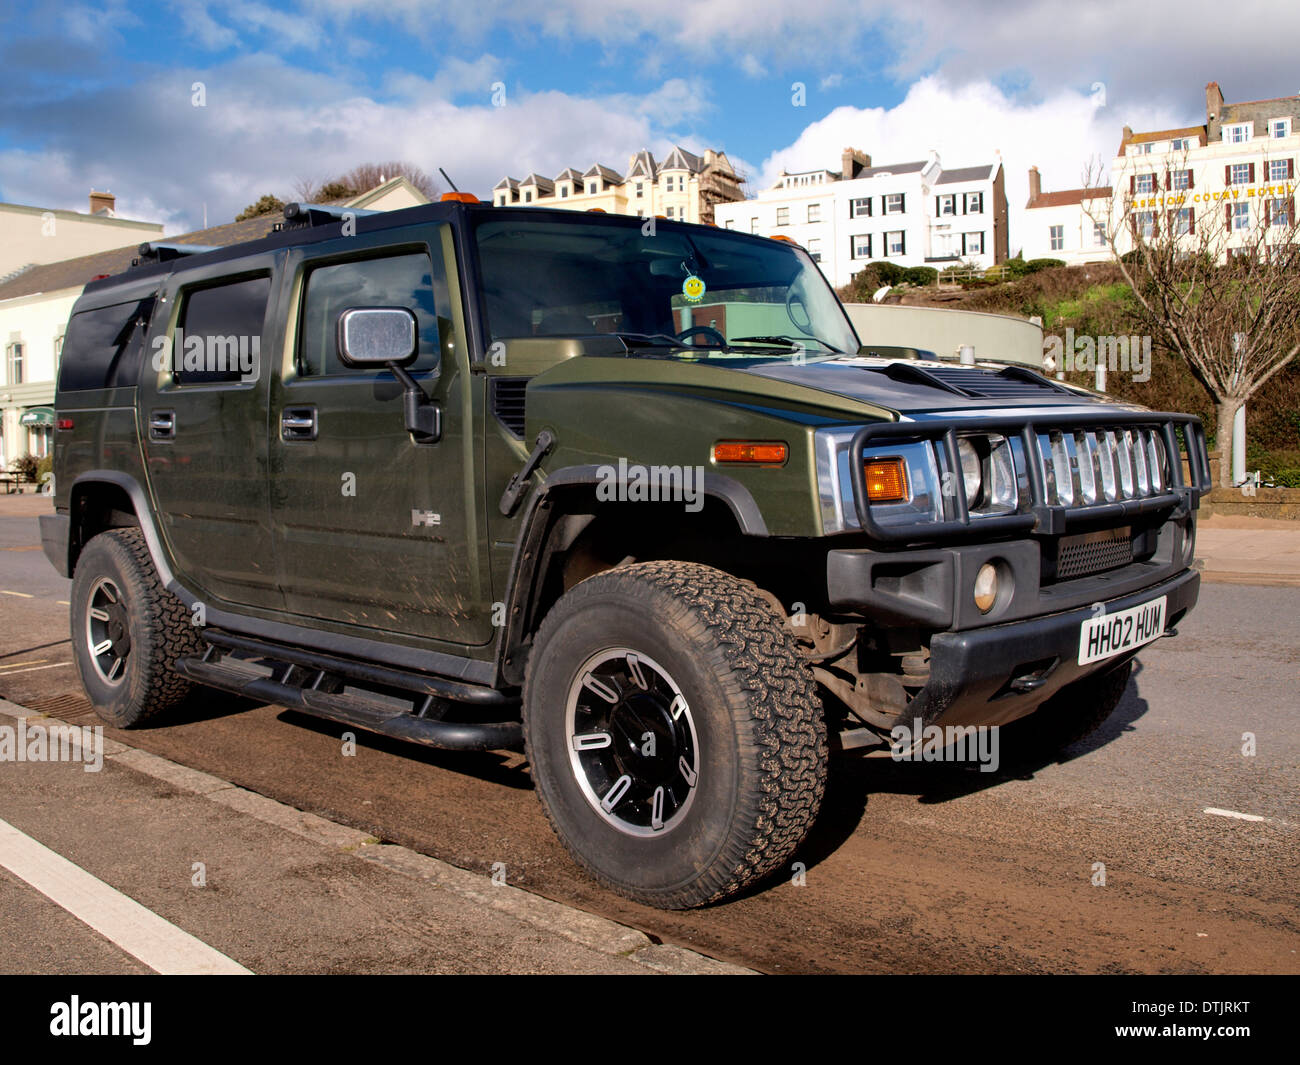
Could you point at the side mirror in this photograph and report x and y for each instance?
(376, 336)
(385, 336)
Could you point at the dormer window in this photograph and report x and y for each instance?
(1237, 133)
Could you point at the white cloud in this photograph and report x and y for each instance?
(968, 126)
(164, 158)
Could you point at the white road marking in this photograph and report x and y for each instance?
(12, 672)
(1234, 813)
(21, 595)
(140, 932)
(62, 602)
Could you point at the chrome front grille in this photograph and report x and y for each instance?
(1085, 467)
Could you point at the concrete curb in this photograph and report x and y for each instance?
(586, 929)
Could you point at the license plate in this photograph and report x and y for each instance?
(1111, 634)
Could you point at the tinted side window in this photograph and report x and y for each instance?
(222, 332)
(102, 347)
(396, 281)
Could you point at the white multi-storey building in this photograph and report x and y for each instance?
(912, 214)
(1237, 173)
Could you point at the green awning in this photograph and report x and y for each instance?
(37, 416)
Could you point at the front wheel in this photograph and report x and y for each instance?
(676, 739)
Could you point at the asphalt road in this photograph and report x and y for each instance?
(911, 868)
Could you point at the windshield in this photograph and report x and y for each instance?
(676, 287)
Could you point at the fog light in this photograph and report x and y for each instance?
(986, 587)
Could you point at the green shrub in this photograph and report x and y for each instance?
(920, 275)
(889, 273)
(1034, 265)
(25, 466)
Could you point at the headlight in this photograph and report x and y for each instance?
(972, 470)
(917, 499)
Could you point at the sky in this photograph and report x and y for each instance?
(182, 107)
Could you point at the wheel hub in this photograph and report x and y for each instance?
(632, 742)
(108, 631)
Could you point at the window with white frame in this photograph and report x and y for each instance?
(1099, 234)
(860, 207)
(15, 363)
(814, 249)
(783, 216)
(974, 203)
(1279, 213)
(972, 243)
(668, 183)
(862, 246)
(1056, 238)
(753, 225)
(670, 212)
(1144, 183)
(1237, 133)
(1239, 173)
(1279, 169)
(1240, 216)
(1180, 180)
(730, 223)
(1182, 221)
(894, 203)
(895, 243)
(564, 191)
(593, 187)
(814, 212)
(1180, 144)
(947, 204)
(1144, 224)
(639, 192)
(1279, 127)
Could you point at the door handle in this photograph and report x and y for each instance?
(298, 423)
(162, 425)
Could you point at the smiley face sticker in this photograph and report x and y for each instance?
(693, 289)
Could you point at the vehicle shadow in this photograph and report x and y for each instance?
(854, 779)
(507, 768)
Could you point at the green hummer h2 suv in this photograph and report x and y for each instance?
(628, 492)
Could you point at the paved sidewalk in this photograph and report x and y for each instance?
(176, 870)
(1242, 550)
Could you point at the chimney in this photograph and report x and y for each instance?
(1213, 101)
(102, 202)
(852, 163)
(1035, 185)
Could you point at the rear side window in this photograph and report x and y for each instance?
(219, 339)
(395, 281)
(102, 348)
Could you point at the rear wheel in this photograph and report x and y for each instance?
(127, 631)
(675, 734)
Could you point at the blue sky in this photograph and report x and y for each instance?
(101, 95)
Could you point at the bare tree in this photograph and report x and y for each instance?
(363, 178)
(1215, 273)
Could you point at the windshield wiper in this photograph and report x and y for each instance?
(666, 342)
(792, 341)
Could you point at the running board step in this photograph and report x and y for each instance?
(456, 691)
(355, 710)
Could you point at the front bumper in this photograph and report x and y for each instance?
(978, 677)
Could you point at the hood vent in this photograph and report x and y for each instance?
(1014, 382)
(508, 402)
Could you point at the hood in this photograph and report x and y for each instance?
(913, 387)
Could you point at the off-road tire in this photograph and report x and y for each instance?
(159, 626)
(1072, 714)
(762, 736)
